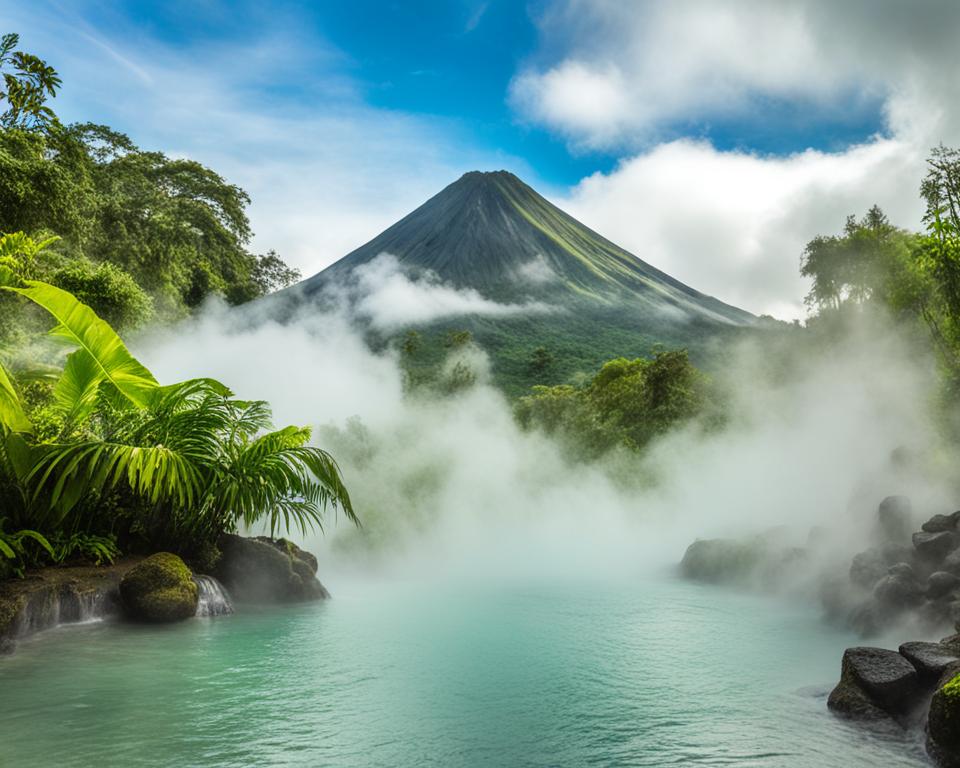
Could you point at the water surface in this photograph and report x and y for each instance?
(655, 673)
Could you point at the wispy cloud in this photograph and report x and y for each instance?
(475, 17)
(382, 293)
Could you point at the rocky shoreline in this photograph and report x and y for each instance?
(157, 588)
(917, 686)
(906, 580)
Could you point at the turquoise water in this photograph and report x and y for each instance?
(656, 673)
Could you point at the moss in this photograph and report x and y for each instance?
(161, 588)
(943, 723)
(952, 689)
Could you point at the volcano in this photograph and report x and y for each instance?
(490, 234)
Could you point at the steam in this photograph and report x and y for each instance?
(537, 271)
(383, 294)
(450, 489)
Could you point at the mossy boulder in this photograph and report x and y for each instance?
(159, 589)
(265, 570)
(943, 725)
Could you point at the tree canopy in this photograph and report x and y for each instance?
(627, 403)
(176, 227)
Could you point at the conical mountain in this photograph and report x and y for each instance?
(550, 288)
(492, 233)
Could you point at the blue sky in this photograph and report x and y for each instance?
(452, 60)
(339, 117)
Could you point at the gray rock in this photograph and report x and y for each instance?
(934, 546)
(868, 567)
(874, 682)
(58, 595)
(950, 672)
(951, 562)
(941, 583)
(895, 518)
(871, 565)
(903, 570)
(849, 700)
(722, 561)
(929, 659)
(940, 523)
(267, 570)
(898, 591)
(952, 644)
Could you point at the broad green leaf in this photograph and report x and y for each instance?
(76, 390)
(80, 325)
(12, 416)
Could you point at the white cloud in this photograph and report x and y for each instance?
(613, 73)
(734, 223)
(388, 298)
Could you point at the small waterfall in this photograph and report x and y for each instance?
(49, 604)
(214, 600)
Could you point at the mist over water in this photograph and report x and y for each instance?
(450, 488)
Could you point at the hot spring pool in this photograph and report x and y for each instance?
(655, 673)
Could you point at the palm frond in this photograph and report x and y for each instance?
(65, 473)
(279, 477)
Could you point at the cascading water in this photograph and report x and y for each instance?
(213, 600)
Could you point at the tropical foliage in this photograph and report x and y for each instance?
(163, 466)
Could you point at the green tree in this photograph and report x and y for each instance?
(271, 273)
(541, 361)
(28, 83)
(411, 344)
(458, 339)
(112, 293)
(857, 265)
(627, 403)
(177, 227)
